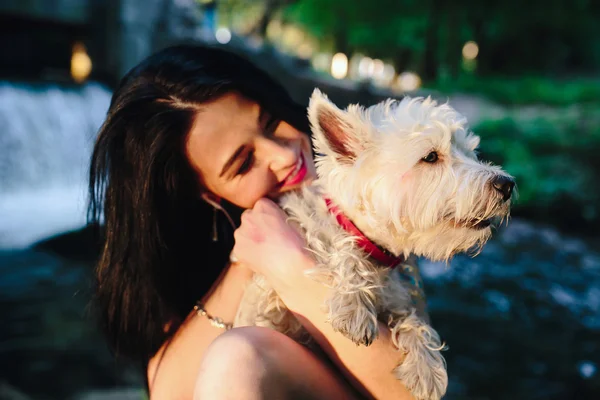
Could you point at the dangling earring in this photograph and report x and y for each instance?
(215, 235)
(217, 207)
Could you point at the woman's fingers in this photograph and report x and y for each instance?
(266, 244)
(267, 206)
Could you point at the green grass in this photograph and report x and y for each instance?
(525, 90)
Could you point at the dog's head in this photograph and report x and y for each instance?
(406, 172)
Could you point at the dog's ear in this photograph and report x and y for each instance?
(332, 128)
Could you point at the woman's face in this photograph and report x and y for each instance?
(243, 153)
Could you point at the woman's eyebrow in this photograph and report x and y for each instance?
(231, 160)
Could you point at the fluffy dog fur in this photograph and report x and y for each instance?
(378, 166)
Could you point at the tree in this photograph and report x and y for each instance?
(538, 36)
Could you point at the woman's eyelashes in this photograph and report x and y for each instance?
(271, 126)
(247, 164)
(269, 130)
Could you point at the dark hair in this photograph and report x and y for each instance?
(158, 257)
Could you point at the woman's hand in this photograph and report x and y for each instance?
(268, 245)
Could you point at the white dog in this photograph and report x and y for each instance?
(395, 179)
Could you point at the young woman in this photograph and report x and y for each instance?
(194, 136)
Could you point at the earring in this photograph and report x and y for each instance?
(215, 236)
(217, 207)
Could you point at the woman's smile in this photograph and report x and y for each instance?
(297, 175)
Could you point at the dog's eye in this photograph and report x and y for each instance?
(431, 157)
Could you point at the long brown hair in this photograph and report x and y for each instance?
(158, 257)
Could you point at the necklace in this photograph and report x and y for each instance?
(214, 321)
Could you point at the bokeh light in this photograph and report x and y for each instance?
(470, 50)
(386, 77)
(339, 66)
(408, 81)
(81, 63)
(305, 50)
(388, 73)
(365, 68)
(292, 37)
(223, 35)
(274, 30)
(321, 62)
(378, 67)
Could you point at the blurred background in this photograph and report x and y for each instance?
(522, 319)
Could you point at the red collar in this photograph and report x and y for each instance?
(367, 245)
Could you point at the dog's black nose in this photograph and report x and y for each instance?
(504, 185)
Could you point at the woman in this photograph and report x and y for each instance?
(194, 136)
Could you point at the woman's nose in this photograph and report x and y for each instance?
(281, 154)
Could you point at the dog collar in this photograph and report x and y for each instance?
(379, 254)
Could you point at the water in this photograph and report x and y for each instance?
(523, 318)
(45, 145)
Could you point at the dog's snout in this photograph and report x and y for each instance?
(504, 185)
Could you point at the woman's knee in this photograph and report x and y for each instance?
(241, 364)
(255, 345)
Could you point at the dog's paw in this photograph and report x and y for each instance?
(425, 382)
(354, 314)
(362, 330)
(423, 370)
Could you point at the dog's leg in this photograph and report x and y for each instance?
(248, 309)
(261, 306)
(353, 305)
(275, 315)
(423, 370)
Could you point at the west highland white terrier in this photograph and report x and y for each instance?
(394, 179)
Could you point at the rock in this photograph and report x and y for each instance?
(8, 392)
(83, 244)
(113, 394)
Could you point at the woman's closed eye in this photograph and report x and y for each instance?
(271, 126)
(247, 164)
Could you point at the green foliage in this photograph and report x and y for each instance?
(554, 161)
(358, 26)
(525, 90)
(515, 36)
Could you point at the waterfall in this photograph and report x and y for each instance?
(47, 132)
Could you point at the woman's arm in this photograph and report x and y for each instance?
(369, 369)
(173, 371)
(268, 245)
